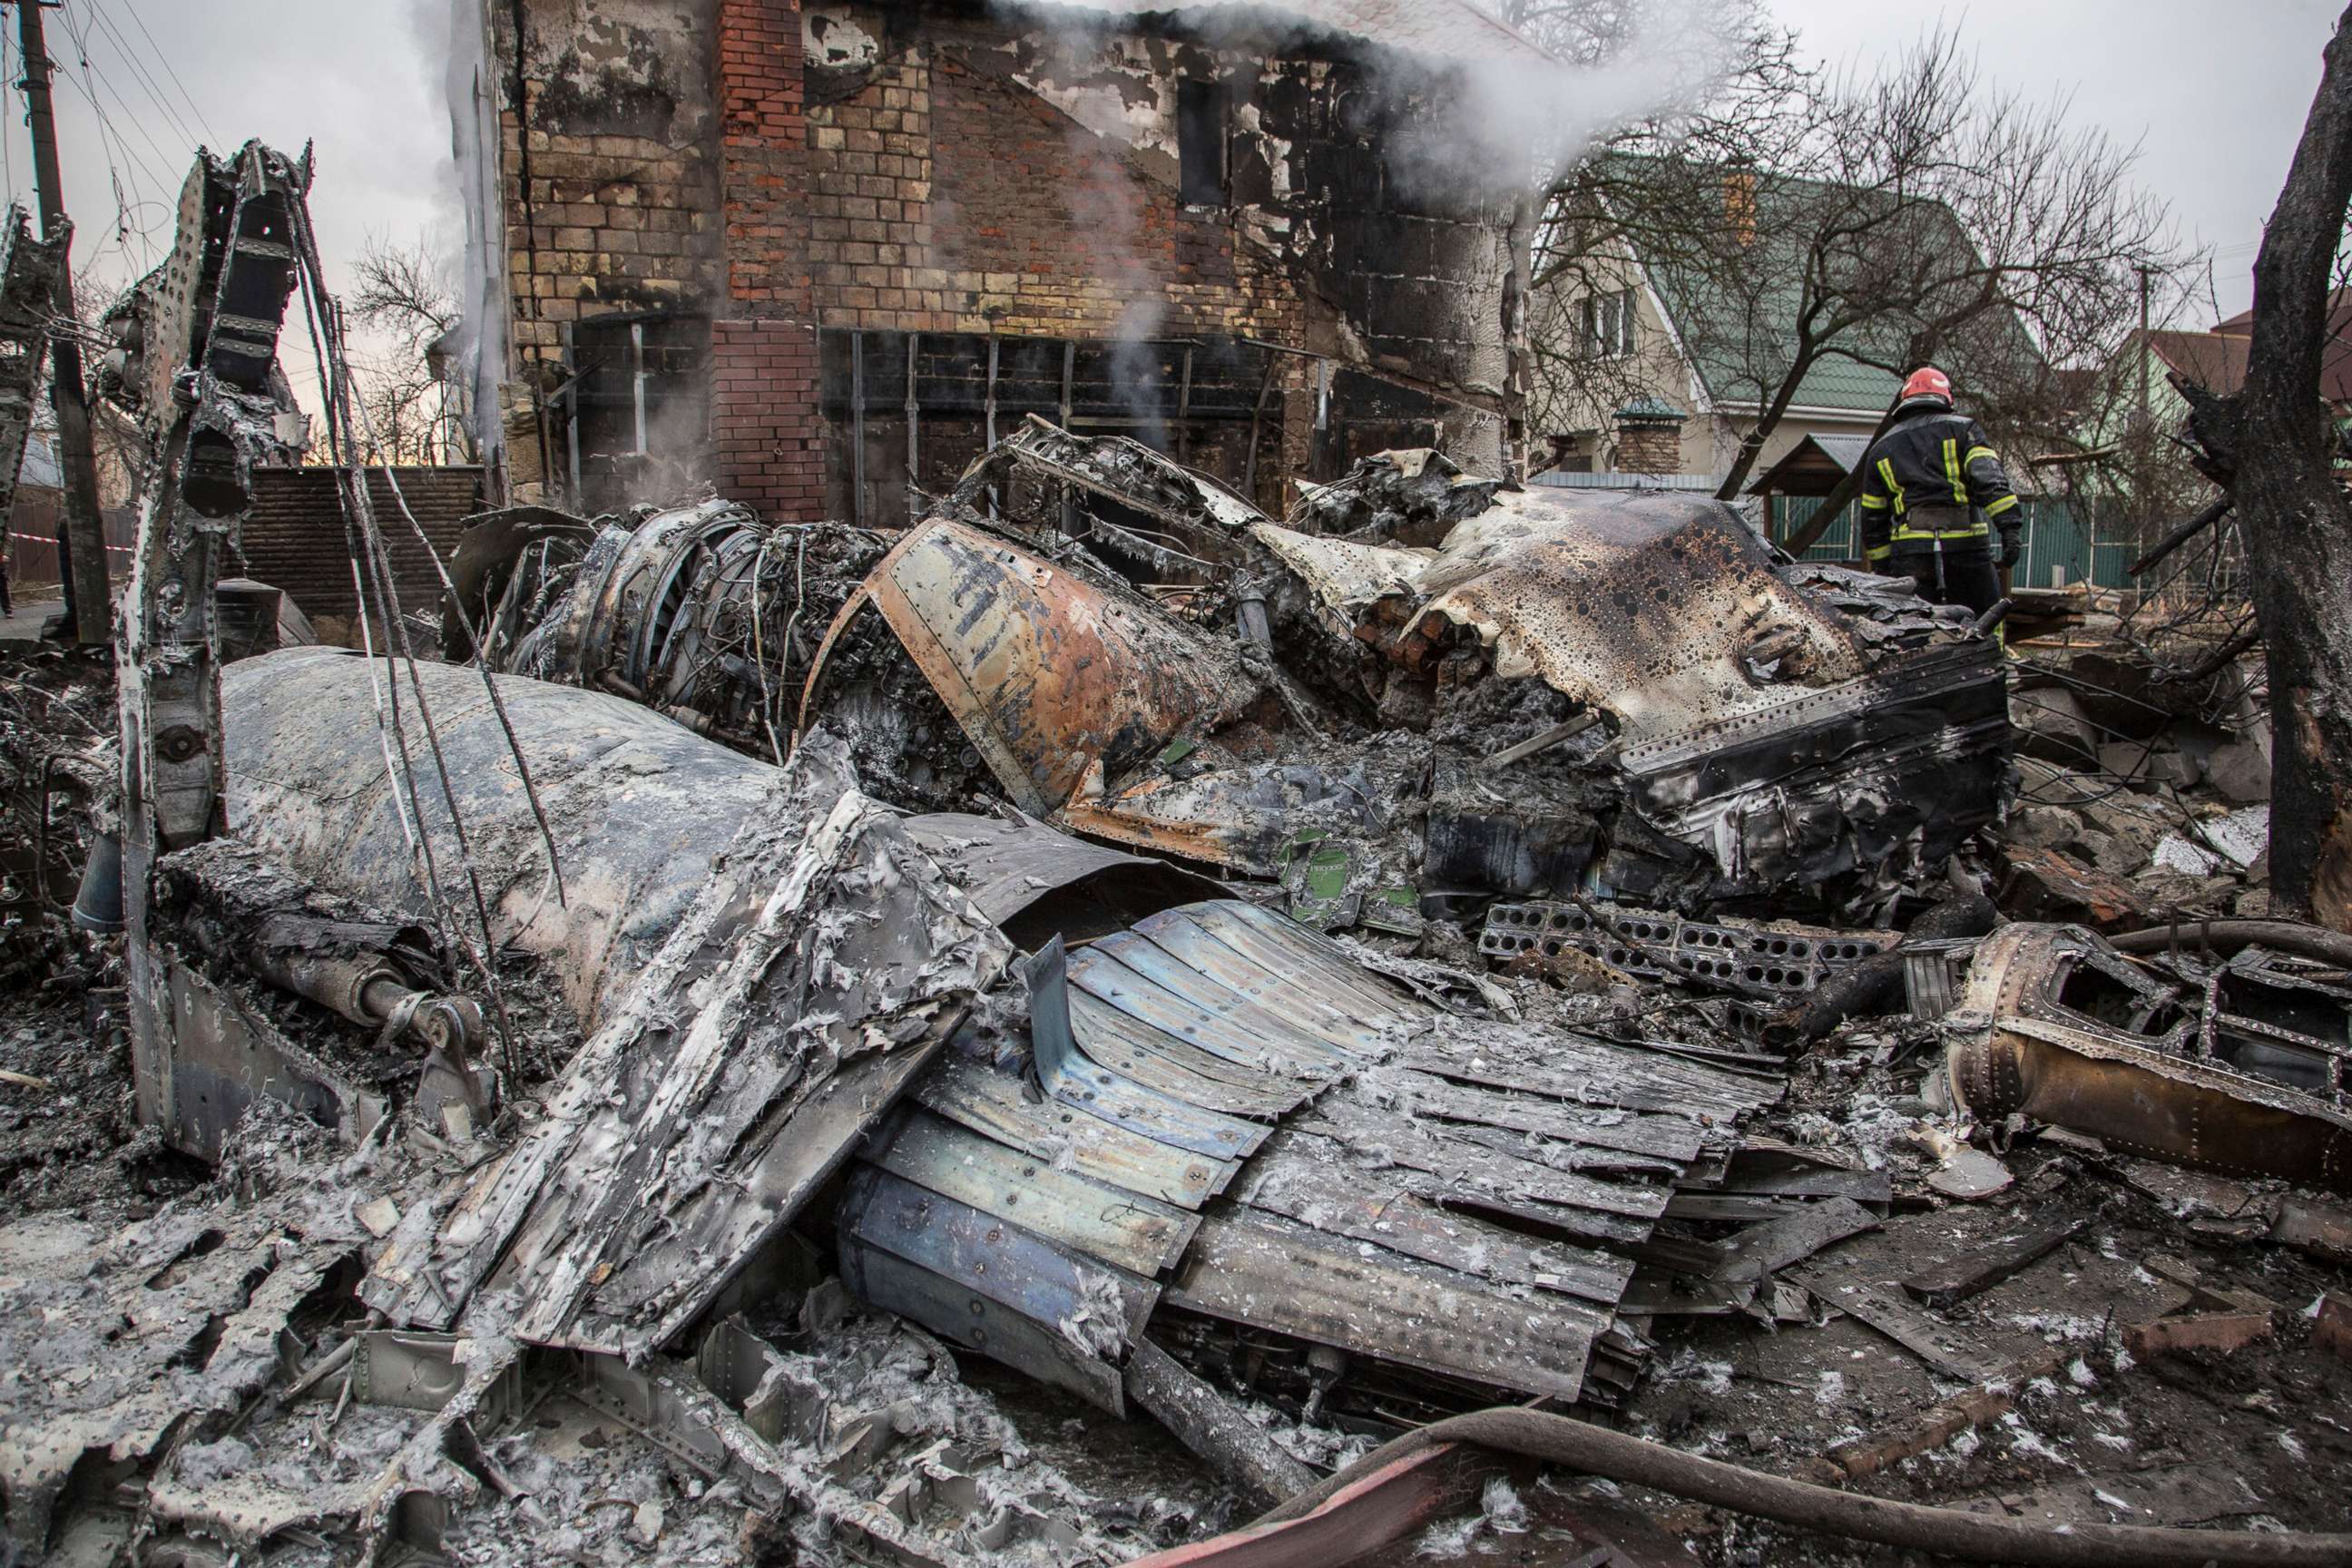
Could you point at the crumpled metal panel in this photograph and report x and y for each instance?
(2015, 1046)
(1659, 609)
(1430, 1203)
(1205, 518)
(1056, 682)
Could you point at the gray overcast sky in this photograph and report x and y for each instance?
(2214, 91)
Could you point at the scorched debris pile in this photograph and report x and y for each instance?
(1041, 1033)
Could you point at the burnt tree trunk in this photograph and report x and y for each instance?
(2297, 519)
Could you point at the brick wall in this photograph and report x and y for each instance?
(768, 436)
(1650, 447)
(943, 197)
(293, 537)
(610, 184)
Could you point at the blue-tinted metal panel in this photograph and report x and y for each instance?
(1135, 1233)
(997, 1104)
(1117, 1098)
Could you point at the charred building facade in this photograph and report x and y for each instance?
(816, 254)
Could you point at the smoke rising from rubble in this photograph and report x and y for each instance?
(1105, 208)
(456, 36)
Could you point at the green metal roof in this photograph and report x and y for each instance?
(1733, 347)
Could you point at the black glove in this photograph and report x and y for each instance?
(2012, 546)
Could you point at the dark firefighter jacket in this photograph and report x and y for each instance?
(1934, 481)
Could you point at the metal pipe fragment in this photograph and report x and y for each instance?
(2315, 943)
(1874, 984)
(1942, 1531)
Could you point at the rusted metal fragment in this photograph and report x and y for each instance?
(1977, 1407)
(1386, 1506)
(1057, 682)
(2055, 1026)
(2042, 884)
(1273, 1274)
(2218, 1333)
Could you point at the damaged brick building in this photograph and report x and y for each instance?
(811, 253)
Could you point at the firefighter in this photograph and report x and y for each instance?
(1933, 492)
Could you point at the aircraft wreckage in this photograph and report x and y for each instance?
(1428, 693)
(746, 914)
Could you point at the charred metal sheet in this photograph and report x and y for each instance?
(116, 1342)
(1033, 882)
(1186, 1005)
(993, 1103)
(1124, 1102)
(1662, 609)
(1278, 969)
(2055, 1026)
(685, 1135)
(1882, 776)
(1382, 1189)
(1605, 1076)
(1153, 506)
(1314, 1181)
(1057, 682)
(641, 810)
(1139, 1235)
(1154, 1058)
(1772, 959)
(1093, 1312)
(217, 1058)
(1270, 1273)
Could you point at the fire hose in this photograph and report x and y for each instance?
(1942, 1532)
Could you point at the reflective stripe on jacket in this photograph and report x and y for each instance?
(1930, 479)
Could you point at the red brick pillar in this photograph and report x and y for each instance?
(764, 422)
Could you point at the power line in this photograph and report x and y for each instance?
(165, 61)
(147, 82)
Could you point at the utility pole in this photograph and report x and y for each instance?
(81, 536)
(2143, 432)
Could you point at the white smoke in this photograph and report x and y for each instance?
(1105, 208)
(456, 32)
(1513, 114)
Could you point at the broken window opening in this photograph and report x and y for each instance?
(1201, 143)
(639, 405)
(1609, 324)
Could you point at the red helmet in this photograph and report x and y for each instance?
(1927, 381)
